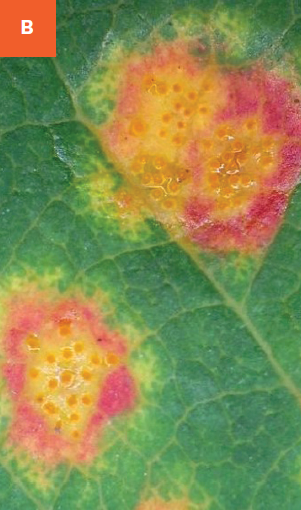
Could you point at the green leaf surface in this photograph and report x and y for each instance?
(214, 340)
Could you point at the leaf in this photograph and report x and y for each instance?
(213, 340)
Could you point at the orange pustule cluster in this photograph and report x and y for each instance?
(235, 164)
(162, 180)
(64, 375)
(172, 107)
(176, 111)
(171, 102)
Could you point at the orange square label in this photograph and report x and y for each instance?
(28, 28)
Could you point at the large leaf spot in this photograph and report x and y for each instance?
(67, 376)
(215, 151)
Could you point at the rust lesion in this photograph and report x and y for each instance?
(60, 378)
(214, 152)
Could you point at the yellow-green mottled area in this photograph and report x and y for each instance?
(214, 341)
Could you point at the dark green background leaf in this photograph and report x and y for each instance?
(216, 341)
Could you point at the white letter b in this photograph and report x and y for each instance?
(26, 26)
